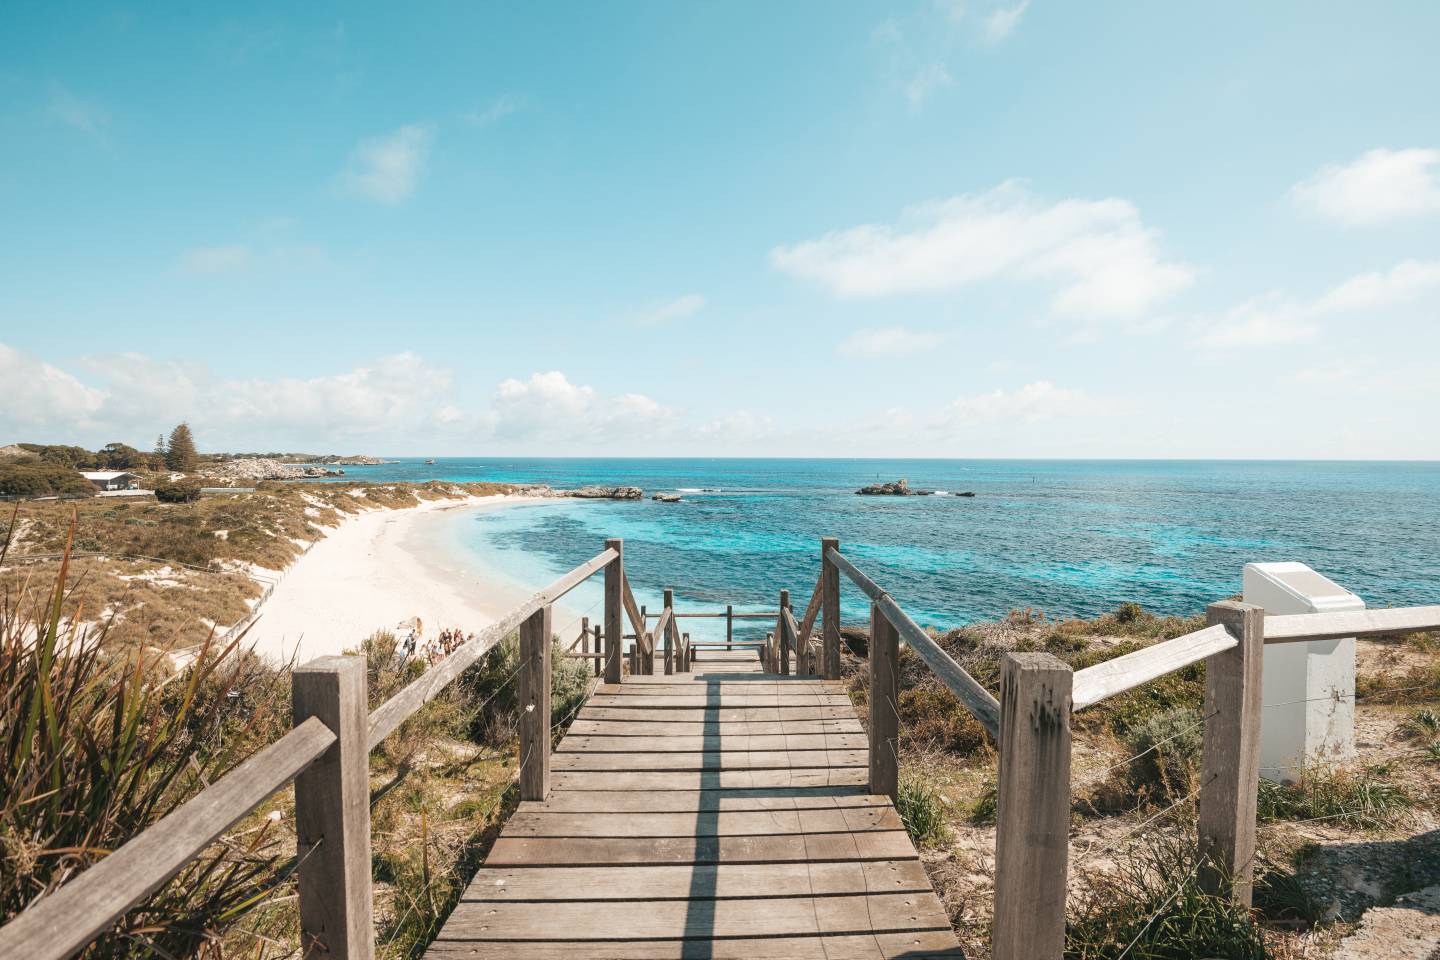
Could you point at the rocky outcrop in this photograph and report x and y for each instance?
(356, 461)
(896, 488)
(261, 468)
(667, 497)
(606, 493)
(902, 488)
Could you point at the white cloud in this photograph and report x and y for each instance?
(1379, 186)
(739, 427)
(927, 79)
(87, 116)
(1032, 403)
(548, 407)
(1371, 291)
(1275, 318)
(887, 342)
(1339, 371)
(1106, 262)
(1002, 22)
(677, 309)
(41, 397)
(386, 169)
(221, 259)
(497, 109)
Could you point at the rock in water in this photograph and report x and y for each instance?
(667, 497)
(897, 488)
(608, 493)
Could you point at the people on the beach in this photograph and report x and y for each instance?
(436, 648)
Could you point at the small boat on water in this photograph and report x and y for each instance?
(431, 460)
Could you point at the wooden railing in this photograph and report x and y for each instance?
(1031, 722)
(327, 757)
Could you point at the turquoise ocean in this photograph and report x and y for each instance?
(1069, 538)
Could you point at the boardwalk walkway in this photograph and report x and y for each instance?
(721, 813)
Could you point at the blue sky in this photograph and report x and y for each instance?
(964, 228)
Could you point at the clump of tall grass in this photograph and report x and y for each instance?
(1353, 798)
(922, 811)
(97, 749)
(1153, 908)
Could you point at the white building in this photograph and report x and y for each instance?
(111, 479)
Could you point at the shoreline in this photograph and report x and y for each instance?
(367, 575)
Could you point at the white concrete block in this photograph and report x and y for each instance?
(1309, 688)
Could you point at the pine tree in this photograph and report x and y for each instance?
(180, 454)
(157, 459)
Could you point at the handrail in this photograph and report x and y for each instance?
(812, 610)
(666, 619)
(65, 920)
(790, 638)
(393, 712)
(637, 622)
(753, 615)
(1106, 679)
(975, 698)
(1341, 624)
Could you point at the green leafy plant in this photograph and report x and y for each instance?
(1355, 798)
(922, 811)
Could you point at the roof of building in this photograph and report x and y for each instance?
(105, 474)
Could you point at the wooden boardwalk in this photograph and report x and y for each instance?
(722, 813)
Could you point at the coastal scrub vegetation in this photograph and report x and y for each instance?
(1334, 843)
(100, 741)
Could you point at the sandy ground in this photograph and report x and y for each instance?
(369, 574)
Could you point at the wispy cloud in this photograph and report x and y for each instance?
(1380, 186)
(677, 309)
(1104, 259)
(549, 407)
(386, 169)
(1032, 403)
(497, 109)
(78, 113)
(999, 24)
(1276, 318)
(221, 259)
(887, 342)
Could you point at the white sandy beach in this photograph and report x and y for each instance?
(370, 573)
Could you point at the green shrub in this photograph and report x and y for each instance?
(181, 491)
(1282, 897)
(30, 478)
(1128, 612)
(1359, 799)
(922, 810)
(1152, 908)
(1167, 746)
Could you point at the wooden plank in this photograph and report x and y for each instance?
(884, 743)
(332, 813)
(614, 613)
(711, 801)
(60, 924)
(1033, 821)
(604, 851)
(911, 945)
(533, 823)
(724, 714)
(729, 742)
(637, 619)
(390, 714)
(1230, 759)
(717, 760)
(1094, 684)
(707, 780)
(761, 880)
(708, 919)
(829, 610)
(971, 694)
(1287, 628)
(736, 728)
(721, 700)
(534, 699)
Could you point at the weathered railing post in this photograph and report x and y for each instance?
(669, 643)
(829, 611)
(783, 634)
(729, 626)
(638, 659)
(535, 705)
(332, 813)
(1033, 823)
(598, 662)
(1230, 759)
(685, 646)
(614, 610)
(884, 705)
